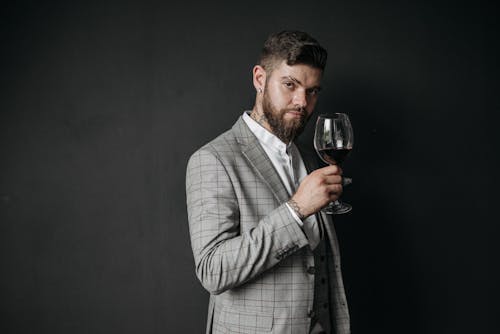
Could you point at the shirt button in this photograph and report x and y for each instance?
(311, 270)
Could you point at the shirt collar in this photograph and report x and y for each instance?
(264, 136)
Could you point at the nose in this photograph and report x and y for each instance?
(300, 98)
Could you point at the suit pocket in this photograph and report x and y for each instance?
(241, 320)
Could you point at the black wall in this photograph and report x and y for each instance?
(102, 104)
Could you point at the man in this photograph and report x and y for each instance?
(262, 248)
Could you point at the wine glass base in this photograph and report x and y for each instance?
(337, 208)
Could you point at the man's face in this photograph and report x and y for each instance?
(289, 98)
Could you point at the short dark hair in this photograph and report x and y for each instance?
(295, 47)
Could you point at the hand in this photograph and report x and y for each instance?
(319, 188)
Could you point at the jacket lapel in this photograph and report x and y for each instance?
(253, 151)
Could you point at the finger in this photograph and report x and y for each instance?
(331, 170)
(333, 179)
(335, 189)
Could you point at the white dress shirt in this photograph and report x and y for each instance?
(288, 163)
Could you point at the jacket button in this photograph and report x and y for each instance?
(311, 270)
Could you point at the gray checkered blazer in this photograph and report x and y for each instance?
(249, 252)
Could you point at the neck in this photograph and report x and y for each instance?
(258, 115)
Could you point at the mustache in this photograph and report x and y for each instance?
(296, 109)
(303, 113)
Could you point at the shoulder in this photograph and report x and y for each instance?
(221, 149)
(224, 144)
(229, 142)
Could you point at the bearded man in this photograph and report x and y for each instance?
(262, 248)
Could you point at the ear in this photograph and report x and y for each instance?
(259, 78)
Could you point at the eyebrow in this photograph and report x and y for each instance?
(292, 78)
(289, 77)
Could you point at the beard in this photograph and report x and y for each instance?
(285, 130)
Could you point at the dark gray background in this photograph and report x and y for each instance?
(102, 103)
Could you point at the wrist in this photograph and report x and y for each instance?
(296, 208)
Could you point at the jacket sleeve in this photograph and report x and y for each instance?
(224, 257)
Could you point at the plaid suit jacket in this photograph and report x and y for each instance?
(249, 252)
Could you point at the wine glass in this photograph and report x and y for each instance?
(333, 139)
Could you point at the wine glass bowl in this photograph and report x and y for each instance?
(333, 141)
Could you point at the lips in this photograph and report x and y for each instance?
(296, 113)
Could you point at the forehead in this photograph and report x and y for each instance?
(307, 75)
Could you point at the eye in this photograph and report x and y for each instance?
(289, 84)
(313, 91)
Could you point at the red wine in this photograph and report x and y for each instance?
(334, 156)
